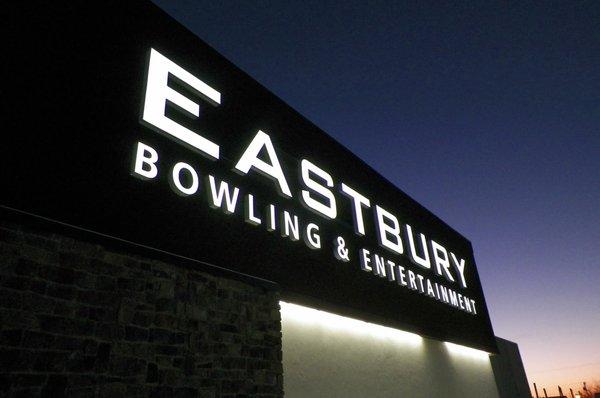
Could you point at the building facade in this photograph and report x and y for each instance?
(172, 228)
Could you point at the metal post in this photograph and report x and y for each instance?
(560, 392)
(536, 393)
(572, 395)
(545, 395)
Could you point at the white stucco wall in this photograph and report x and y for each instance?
(329, 356)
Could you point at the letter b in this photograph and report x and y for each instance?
(145, 162)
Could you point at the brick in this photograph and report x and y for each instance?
(16, 319)
(228, 328)
(231, 386)
(166, 305)
(82, 380)
(27, 392)
(45, 241)
(70, 343)
(11, 337)
(16, 282)
(55, 386)
(142, 318)
(59, 325)
(50, 361)
(61, 275)
(105, 283)
(103, 352)
(123, 325)
(10, 299)
(166, 289)
(98, 298)
(169, 376)
(61, 291)
(101, 267)
(5, 384)
(29, 380)
(67, 309)
(112, 389)
(166, 321)
(38, 286)
(133, 333)
(37, 255)
(185, 392)
(36, 340)
(9, 261)
(206, 393)
(130, 284)
(160, 335)
(110, 331)
(101, 314)
(11, 235)
(126, 366)
(152, 373)
(233, 363)
(80, 392)
(161, 392)
(167, 350)
(79, 246)
(13, 360)
(83, 280)
(189, 365)
(80, 363)
(35, 303)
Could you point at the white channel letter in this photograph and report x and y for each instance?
(312, 238)
(391, 266)
(223, 191)
(388, 225)
(175, 179)
(365, 260)
(460, 267)
(271, 215)
(328, 210)
(250, 159)
(359, 201)
(249, 211)
(379, 268)
(422, 261)
(440, 258)
(158, 93)
(142, 159)
(290, 226)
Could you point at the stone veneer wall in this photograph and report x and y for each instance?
(80, 319)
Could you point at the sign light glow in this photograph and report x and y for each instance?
(344, 324)
(463, 351)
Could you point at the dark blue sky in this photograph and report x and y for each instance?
(487, 114)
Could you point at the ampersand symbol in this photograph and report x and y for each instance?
(341, 252)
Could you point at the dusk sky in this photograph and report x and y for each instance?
(487, 114)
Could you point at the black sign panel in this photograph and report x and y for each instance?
(121, 121)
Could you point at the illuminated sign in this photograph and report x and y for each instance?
(318, 195)
(154, 138)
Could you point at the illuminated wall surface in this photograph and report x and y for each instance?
(325, 355)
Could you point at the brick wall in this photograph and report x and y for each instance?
(79, 319)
